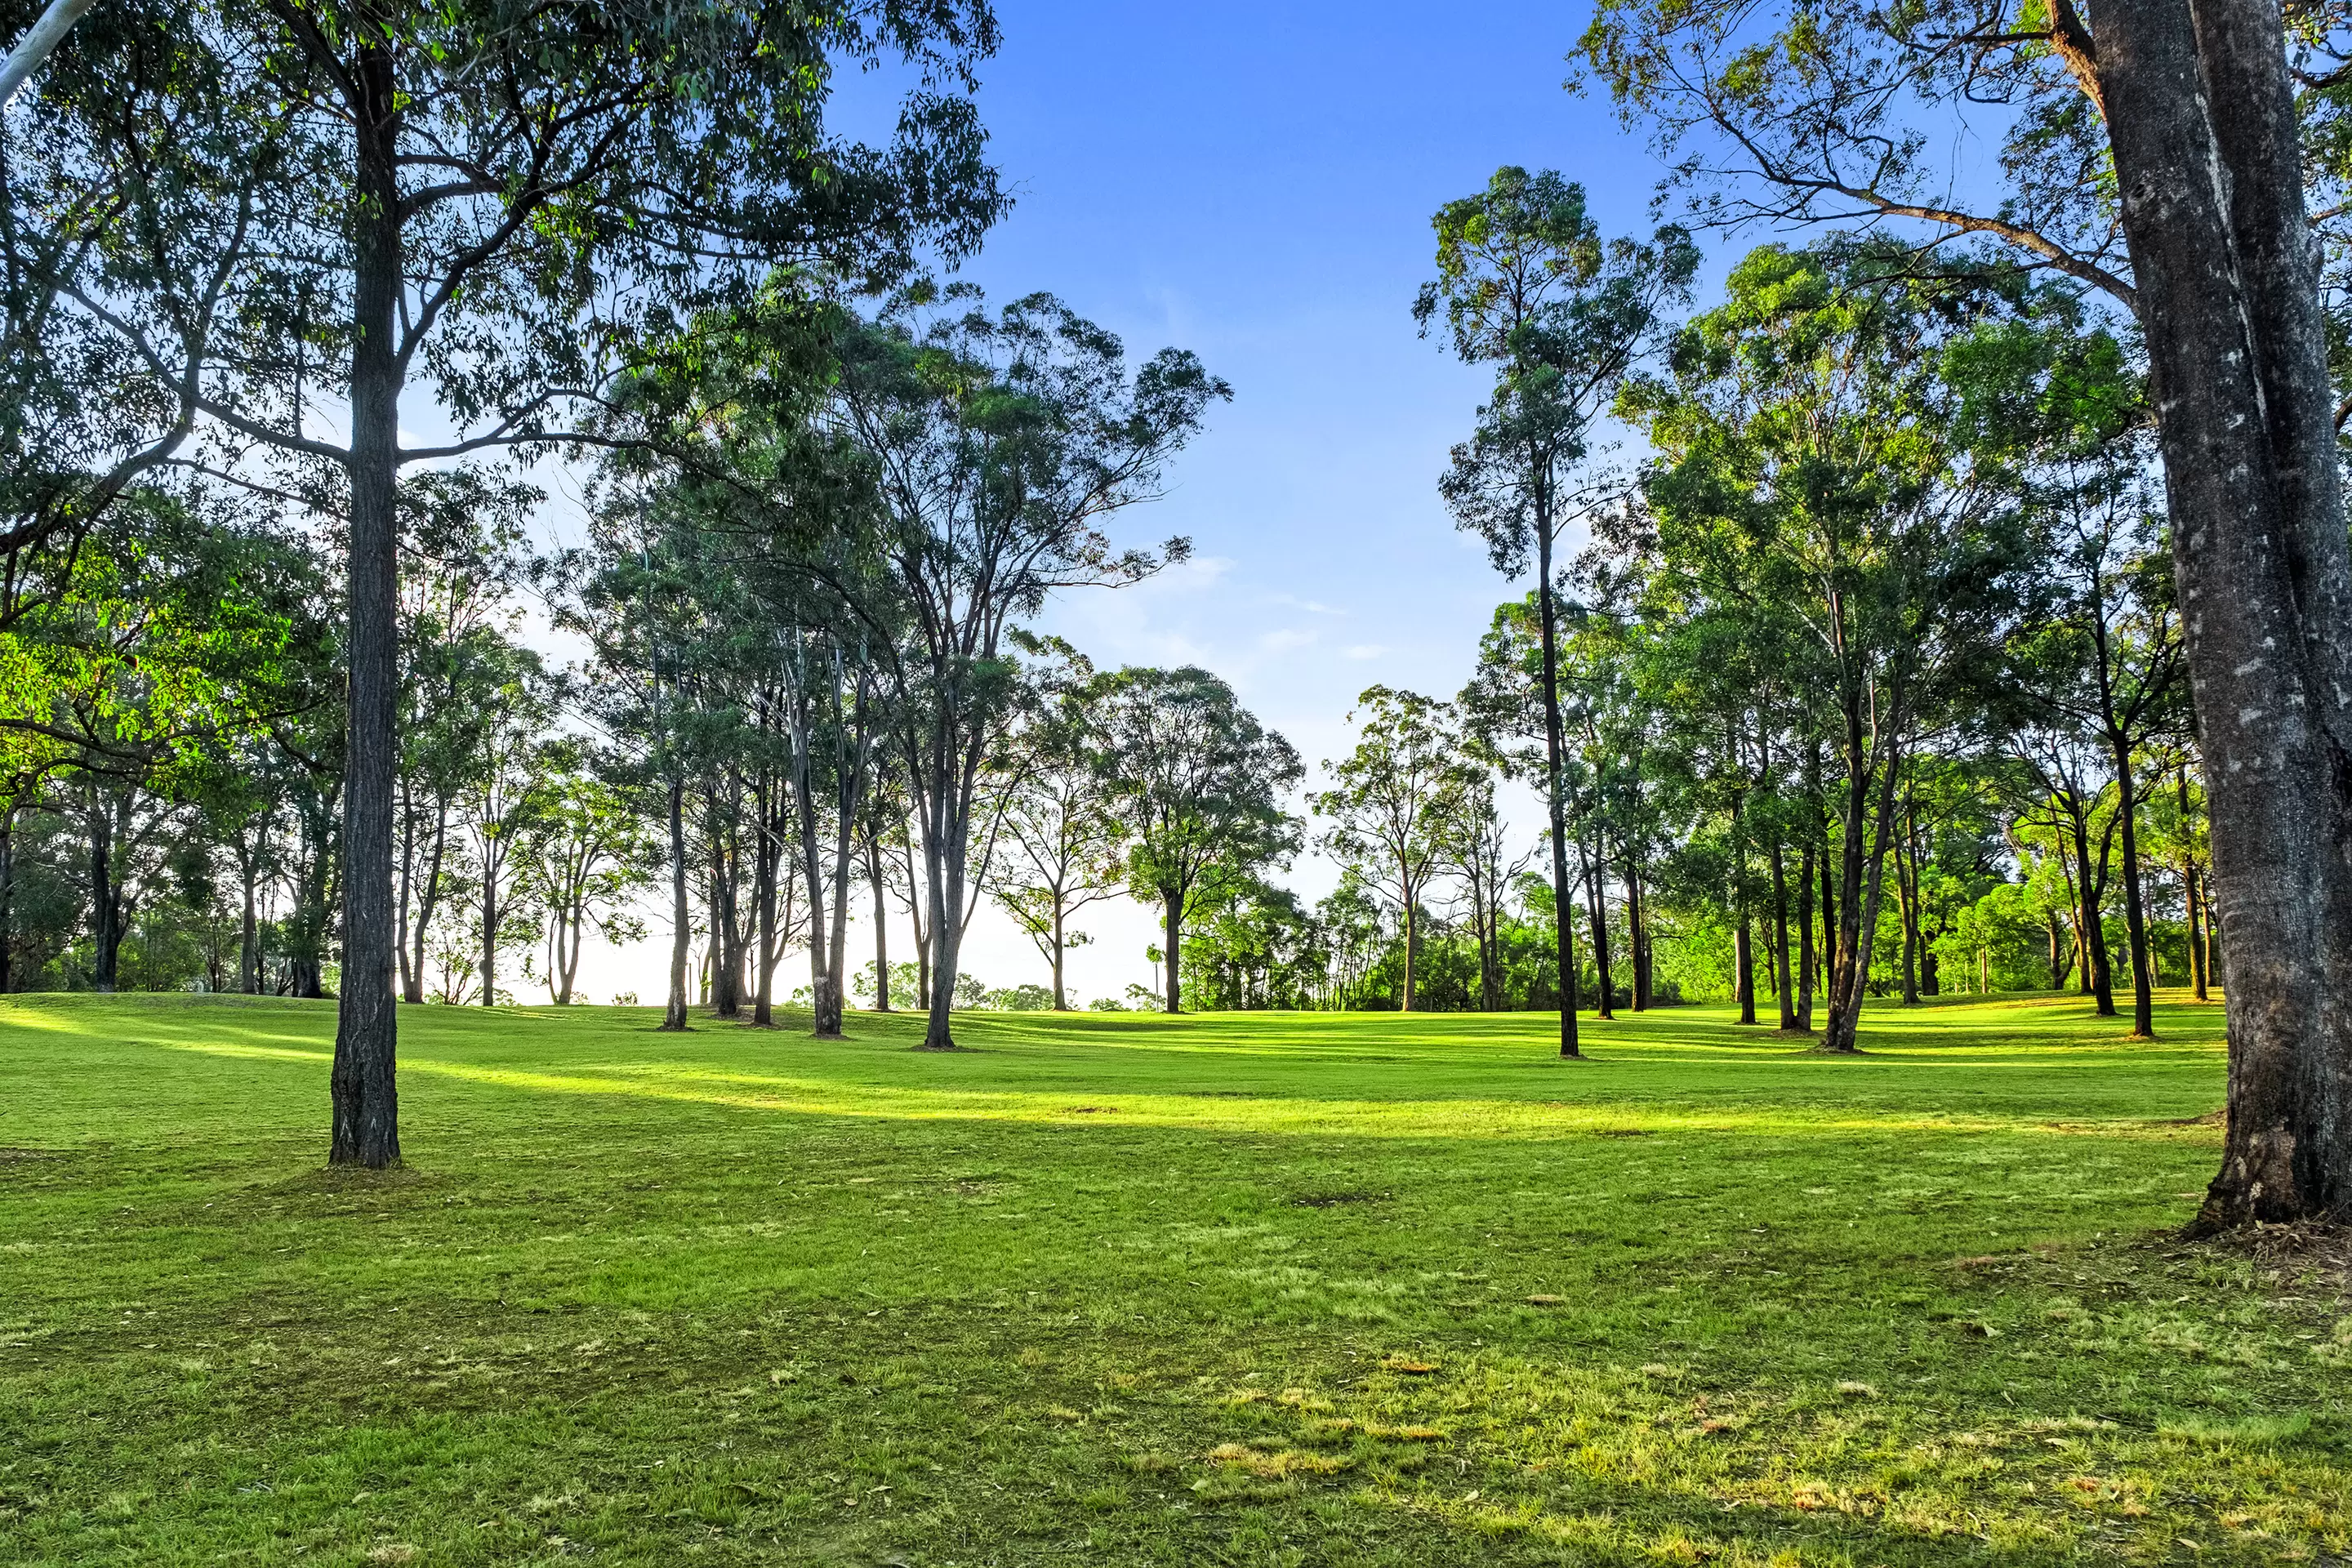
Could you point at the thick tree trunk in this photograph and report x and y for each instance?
(681, 930)
(2200, 113)
(366, 1108)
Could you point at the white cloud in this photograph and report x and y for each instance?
(1364, 650)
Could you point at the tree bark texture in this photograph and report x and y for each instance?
(2206, 155)
(366, 1128)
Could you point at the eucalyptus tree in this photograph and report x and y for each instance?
(1389, 802)
(1527, 284)
(506, 202)
(128, 200)
(1474, 848)
(502, 803)
(2157, 151)
(1201, 783)
(1811, 460)
(2102, 657)
(463, 560)
(1001, 445)
(589, 853)
(1062, 844)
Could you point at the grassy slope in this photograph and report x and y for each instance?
(1240, 1289)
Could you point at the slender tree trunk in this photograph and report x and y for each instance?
(366, 1122)
(765, 866)
(681, 934)
(105, 904)
(1781, 978)
(575, 919)
(490, 914)
(1829, 954)
(881, 928)
(1596, 909)
(2135, 911)
(1556, 781)
(2190, 897)
(1411, 944)
(1637, 933)
(1060, 1003)
(922, 935)
(2090, 922)
(1743, 967)
(1806, 958)
(1173, 933)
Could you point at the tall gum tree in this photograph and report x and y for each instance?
(1527, 285)
(498, 199)
(1201, 782)
(1388, 803)
(1002, 447)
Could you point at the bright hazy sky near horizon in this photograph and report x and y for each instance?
(1254, 182)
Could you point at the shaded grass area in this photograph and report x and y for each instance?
(1262, 1290)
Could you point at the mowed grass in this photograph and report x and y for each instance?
(1248, 1290)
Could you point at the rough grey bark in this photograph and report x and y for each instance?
(2203, 125)
(366, 1130)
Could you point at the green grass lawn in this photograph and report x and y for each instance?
(1262, 1289)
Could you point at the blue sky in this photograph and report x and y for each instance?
(1254, 182)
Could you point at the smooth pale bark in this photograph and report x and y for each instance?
(366, 1129)
(2208, 159)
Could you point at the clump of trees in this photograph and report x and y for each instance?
(1970, 546)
